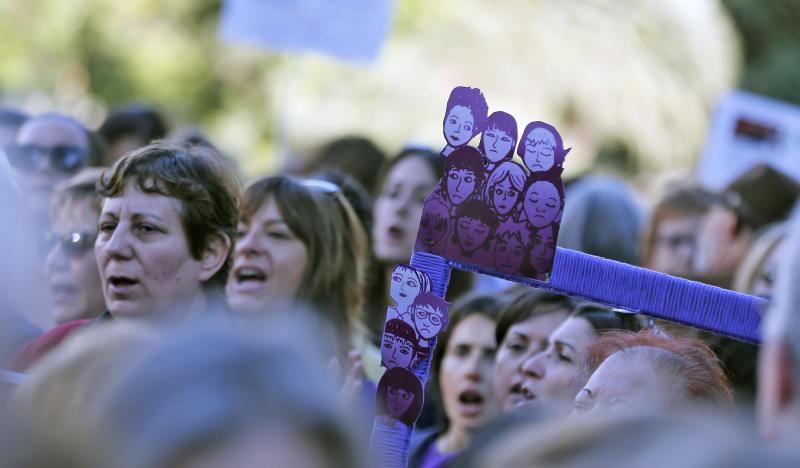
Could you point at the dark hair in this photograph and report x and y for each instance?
(138, 120)
(12, 117)
(81, 186)
(486, 305)
(464, 157)
(529, 303)
(208, 194)
(398, 377)
(356, 156)
(505, 122)
(401, 329)
(94, 144)
(603, 318)
(473, 99)
(434, 160)
(559, 153)
(354, 192)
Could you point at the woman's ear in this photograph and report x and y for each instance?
(214, 256)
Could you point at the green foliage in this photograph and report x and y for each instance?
(770, 42)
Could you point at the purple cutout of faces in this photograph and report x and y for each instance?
(511, 248)
(543, 249)
(465, 115)
(433, 227)
(500, 137)
(398, 346)
(504, 188)
(399, 395)
(541, 147)
(542, 202)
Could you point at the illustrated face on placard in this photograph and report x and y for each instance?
(543, 250)
(542, 203)
(399, 395)
(398, 346)
(497, 144)
(434, 226)
(460, 185)
(430, 315)
(504, 196)
(509, 253)
(540, 147)
(406, 284)
(459, 126)
(472, 233)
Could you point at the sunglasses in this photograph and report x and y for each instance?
(73, 244)
(28, 158)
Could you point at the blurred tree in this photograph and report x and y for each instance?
(770, 39)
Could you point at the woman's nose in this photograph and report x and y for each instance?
(248, 244)
(532, 367)
(118, 246)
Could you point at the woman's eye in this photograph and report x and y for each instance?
(145, 228)
(498, 191)
(564, 357)
(506, 139)
(412, 284)
(490, 134)
(550, 205)
(278, 235)
(468, 179)
(107, 227)
(512, 193)
(468, 128)
(516, 348)
(404, 350)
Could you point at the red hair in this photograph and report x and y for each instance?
(687, 358)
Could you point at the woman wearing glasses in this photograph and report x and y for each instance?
(72, 276)
(48, 150)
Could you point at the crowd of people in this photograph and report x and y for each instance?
(159, 311)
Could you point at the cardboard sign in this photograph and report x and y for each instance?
(347, 29)
(487, 210)
(748, 130)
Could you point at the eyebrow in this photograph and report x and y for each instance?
(566, 345)
(521, 335)
(270, 222)
(147, 215)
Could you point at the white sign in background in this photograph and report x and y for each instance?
(748, 130)
(346, 29)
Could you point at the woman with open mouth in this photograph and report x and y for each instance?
(299, 241)
(462, 366)
(554, 376)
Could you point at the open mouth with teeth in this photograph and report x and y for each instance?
(244, 275)
(122, 281)
(471, 402)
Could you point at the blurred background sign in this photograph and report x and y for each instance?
(748, 130)
(346, 29)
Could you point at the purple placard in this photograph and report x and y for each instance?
(488, 210)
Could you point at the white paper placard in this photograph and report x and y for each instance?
(347, 29)
(747, 130)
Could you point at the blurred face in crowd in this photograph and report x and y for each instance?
(465, 376)
(674, 244)
(522, 341)
(626, 383)
(398, 208)
(143, 255)
(554, 376)
(74, 282)
(48, 150)
(459, 126)
(269, 261)
(282, 447)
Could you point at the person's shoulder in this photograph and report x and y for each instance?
(43, 344)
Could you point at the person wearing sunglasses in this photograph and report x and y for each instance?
(48, 150)
(72, 276)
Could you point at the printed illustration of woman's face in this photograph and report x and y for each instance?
(405, 287)
(540, 147)
(504, 196)
(398, 400)
(396, 351)
(433, 227)
(509, 255)
(497, 144)
(428, 321)
(460, 185)
(541, 204)
(472, 233)
(459, 126)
